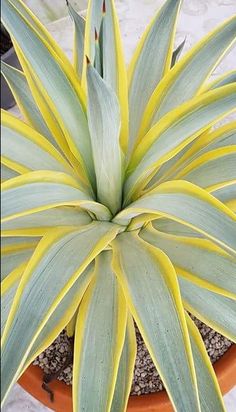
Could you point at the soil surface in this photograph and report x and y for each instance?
(5, 41)
(146, 378)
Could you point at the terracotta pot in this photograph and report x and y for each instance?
(31, 381)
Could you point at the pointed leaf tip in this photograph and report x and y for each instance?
(96, 34)
(104, 7)
(87, 60)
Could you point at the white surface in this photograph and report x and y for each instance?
(197, 18)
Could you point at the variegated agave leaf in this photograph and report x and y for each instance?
(118, 205)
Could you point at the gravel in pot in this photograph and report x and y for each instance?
(146, 378)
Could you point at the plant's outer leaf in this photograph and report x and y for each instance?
(94, 18)
(70, 327)
(61, 256)
(37, 191)
(99, 338)
(126, 369)
(208, 388)
(188, 75)
(24, 149)
(227, 195)
(8, 289)
(151, 289)
(61, 316)
(175, 131)
(217, 311)
(25, 101)
(219, 138)
(177, 52)
(188, 204)
(212, 168)
(145, 70)
(7, 173)
(79, 30)
(37, 224)
(226, 78)
(198, 260)
(114, 69)
(104, 126)
(42, 99)
(47, 37)
(15, 251)
(62, 97)
(172, 227)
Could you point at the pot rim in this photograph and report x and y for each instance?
(31, 381)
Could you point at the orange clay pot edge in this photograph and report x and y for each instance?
(31, 381)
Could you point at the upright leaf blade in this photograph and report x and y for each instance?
(63, 98)
(113, 63)
(175, 131)
(209, 392)
(99, 339)
(25, 101)
(104, 126)
(79, 31)
(151, 289)
(187, 76)
(145, 70)
(126, 369)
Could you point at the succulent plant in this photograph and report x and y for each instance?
(118, 205)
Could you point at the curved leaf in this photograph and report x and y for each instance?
(186, 78)
(8, 289)
(37, 224)
(198, 260)
(61, 315)
(188, 204)
(210, 140)
(126, 369)
(30, 18)
(225, 78)
(209, 391)
(101, 15)
(24, 149)
(63, 98)
(37, 191)
(217, 311)
(60, 258)
(79, 31)
(25, 101)
(212, 168)
(157, 41)
(14, 252)
(226, 194)
(104, 126)
(101, 322)
(174, 131)
(7, 173)
(151, 289)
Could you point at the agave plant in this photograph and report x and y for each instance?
(119, 205)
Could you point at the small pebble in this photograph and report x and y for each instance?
(146, 378)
